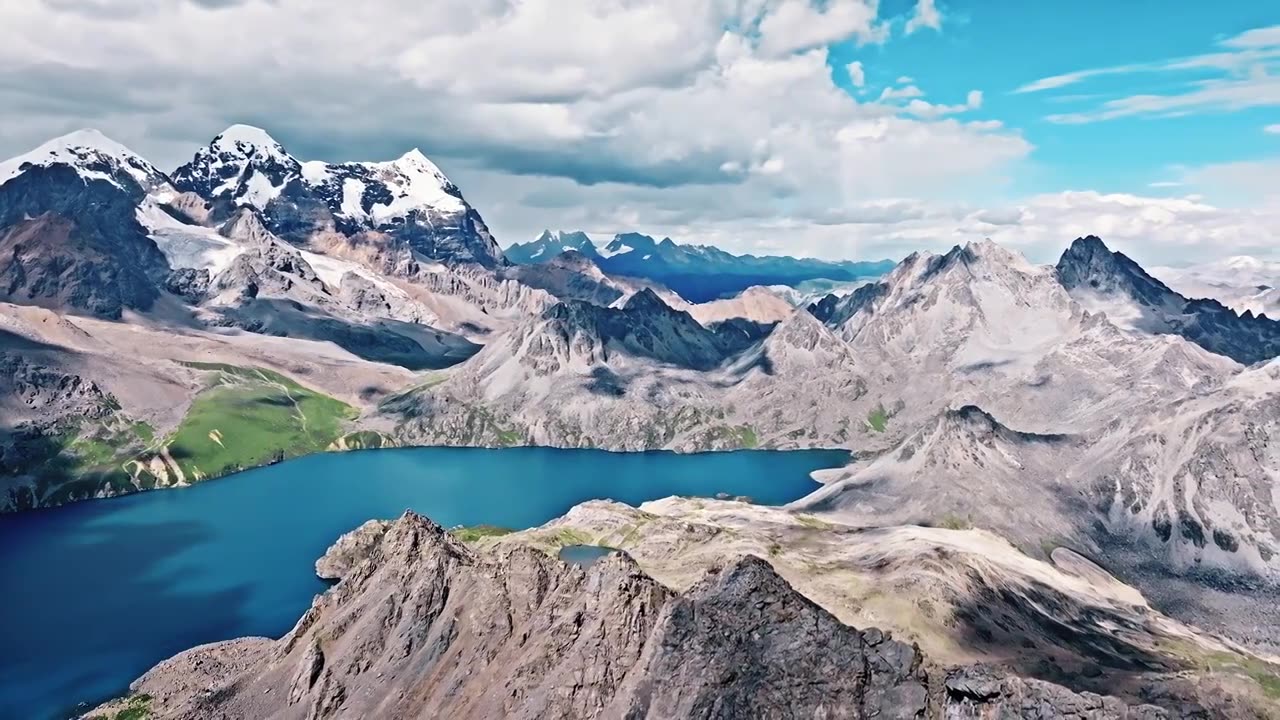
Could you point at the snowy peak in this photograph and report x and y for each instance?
(409, 198)
(247, 141)
(629, 242)
(243, 165)
(551, 244)
(94, 156)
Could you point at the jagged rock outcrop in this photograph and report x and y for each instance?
(424, 626)
(973, 693)
(351, 549)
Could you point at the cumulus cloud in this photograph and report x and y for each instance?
(858, 77)
(926, 15)
(705, 120)
(800, 24)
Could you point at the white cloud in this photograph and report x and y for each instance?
(705, 120)
(926, 15)
(1245, 79)
(702, 119)
(857, 76)
(1272, 129)
(901, 93)
(1257, 90)
(799, 25)
(1255, 38)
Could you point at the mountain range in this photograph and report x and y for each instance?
(1112, 437)
(698, 273)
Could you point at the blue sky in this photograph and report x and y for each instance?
(729, 122)
(1000, 47)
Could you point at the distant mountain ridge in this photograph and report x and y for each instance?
(698, 273)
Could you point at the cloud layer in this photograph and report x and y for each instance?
(708, 120)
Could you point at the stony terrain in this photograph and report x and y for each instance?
(421, 624)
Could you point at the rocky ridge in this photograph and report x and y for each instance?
(423, 624)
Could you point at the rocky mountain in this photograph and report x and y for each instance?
(406, 204)
(549, 245)
(91, 230)
(1085, 406)
(69, 235)
(423, 624)
(1110, 282)
(573, 275)
(699, 273)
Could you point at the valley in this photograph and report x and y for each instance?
(1049, 468)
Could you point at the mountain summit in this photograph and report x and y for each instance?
(408, 201)
(1103, 280)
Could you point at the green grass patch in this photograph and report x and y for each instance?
(479, 532)
(878, 418)
(366, 440)
(562, 537)
(136, 707)
(249, 417)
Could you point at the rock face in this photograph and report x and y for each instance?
(351, 549)
(1102, 279)
(408, 201)
(427, 627)
(973, 693)
(69, 236)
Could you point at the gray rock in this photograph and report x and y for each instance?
(351, 549)
(424, 626)
(980, 692)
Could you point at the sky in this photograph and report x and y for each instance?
(828, 128)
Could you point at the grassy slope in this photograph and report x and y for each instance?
(249, 417)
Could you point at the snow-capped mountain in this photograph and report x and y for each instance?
(549, 245)
(70, 236)
(243, 164)
(408, 200)
(1106, 281)
(698, 273)
(93, 156)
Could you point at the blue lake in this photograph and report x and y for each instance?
(96, 593)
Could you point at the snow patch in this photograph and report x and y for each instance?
(352, 196)
(186, 246)
(259, 191)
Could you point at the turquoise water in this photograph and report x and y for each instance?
(96, 593)
(583, 555)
